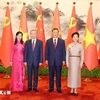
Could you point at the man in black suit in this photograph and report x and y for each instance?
(33, 58)
(55, 58)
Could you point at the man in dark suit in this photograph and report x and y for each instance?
(55, 58)
(33, 58)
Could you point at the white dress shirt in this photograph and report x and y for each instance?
(56, 40)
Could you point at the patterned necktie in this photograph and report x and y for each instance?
(33, 45)
(55, 43)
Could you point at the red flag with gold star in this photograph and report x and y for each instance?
(89, 43)
(40, 29)
(56, 20)
(23, 24)
(6, 40)
(72, 26)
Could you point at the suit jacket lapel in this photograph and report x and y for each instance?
(52, 42)
(31, 44)
(57, 43)
(36, 44)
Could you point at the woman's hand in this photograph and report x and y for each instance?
(67, 65)
(25, 63)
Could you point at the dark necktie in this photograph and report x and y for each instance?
(55, 44)
(33, 45)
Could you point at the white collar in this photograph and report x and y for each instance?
(34, 40)
(55, 38)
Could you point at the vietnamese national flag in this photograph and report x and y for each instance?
(56, 20)
(40, 29)
(72, 26)
(7, 40)
(89, 43)
(23, 24)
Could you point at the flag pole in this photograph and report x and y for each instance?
(7, 76)
(99, 54)
(57, 3)
(23, 6)
(74, 3)
(88, 79)
(55, 72)
(39, 78)
(24, 3)
(87, 75)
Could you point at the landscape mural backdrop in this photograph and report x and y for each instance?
(65, 9)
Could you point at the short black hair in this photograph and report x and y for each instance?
(55, 29)
(75, 33)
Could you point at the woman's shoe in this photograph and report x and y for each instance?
(76, 94)
(71, 93)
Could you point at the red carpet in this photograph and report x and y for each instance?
(88, 91)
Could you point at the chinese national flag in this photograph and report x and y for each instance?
(7, 40)
(89, 43)
(56, 20)
(23, 24)
(40, 29)
(98, 50)
(72, 26)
